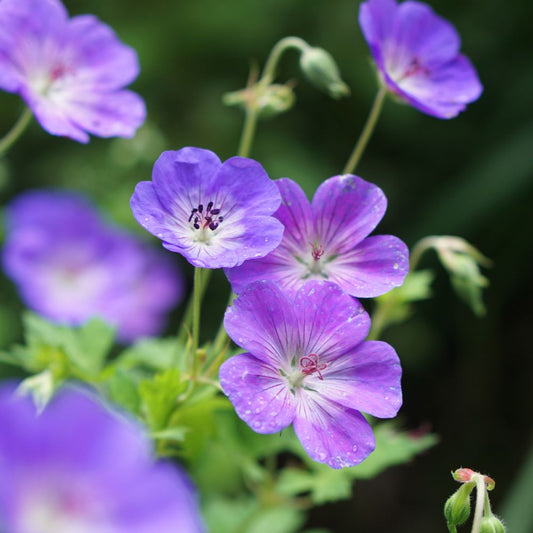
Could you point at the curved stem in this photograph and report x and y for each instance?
(480, 502)
(16, 131)
(277, 52)
(368, 128)
(269, 71)
(419, 249)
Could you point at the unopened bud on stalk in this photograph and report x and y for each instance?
(321, 70)
(491, 524)
(457, 507)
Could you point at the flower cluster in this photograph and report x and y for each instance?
(79, 468)
(296, 272)
(70, 72)
(417, 56)
(69, 266)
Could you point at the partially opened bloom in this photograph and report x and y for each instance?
(69, 266)
(328, 240)
(308, 364)
(417, 56)
(215, 214)
(70, 72)
(79, 468)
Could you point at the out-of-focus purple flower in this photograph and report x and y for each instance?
(308, 364)
(69, 266)
(328, 240)
(79, 468)
(70, 72)
(214, 214)
(417, 56)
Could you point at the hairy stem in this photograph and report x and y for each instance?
(480, 502)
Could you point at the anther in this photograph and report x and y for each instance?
(208, 219)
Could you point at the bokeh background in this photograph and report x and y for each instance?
(465, 378)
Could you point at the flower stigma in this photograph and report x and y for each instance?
(308, 365)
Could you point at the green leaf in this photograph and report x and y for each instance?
(122, 388)
(159, 397)
(94, 341)
(200, 420)
(227, 516)
(245, 515)
(397, 304)
(156, 354)
(393, 447)
(172, 433)
(323, 483)
(65, 350)
(283, 519)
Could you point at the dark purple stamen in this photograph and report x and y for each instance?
(209, 219)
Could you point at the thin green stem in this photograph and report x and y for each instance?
(15, 132)
(480, 501)
(221, 336)
(380, 318)
(197, 299)
(248, 132)
(269, 72)
(186, 323)
(368, 128)
(487, 511)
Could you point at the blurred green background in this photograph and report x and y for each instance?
(467, 379)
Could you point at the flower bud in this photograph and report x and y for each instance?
(491, 524)
(41, 387)
(464, 475)
(275, 99)
(266, 100)
(462, 261)
(457, 507)
(321, 70)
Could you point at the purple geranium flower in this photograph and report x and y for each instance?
(417, 56)
(70, 266)
(79, 468)
(327, 240)
(70, 72)
(214, 214)
(308, 365)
